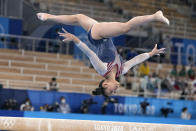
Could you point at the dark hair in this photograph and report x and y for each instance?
(184, 109)
(53, 79)
(62, 97)
(27, 99)
(100, 90)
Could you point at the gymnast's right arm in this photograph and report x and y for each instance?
(141, 58)
(99, 66)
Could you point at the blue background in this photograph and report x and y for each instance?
(11, 26)
(39, 98)
(185, 43)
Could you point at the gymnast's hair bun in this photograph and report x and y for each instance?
(100, 90)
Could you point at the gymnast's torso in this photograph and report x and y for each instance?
(107, 53)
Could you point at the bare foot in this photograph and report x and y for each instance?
(159, 16)
(43, 16)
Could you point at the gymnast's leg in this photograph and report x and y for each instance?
(104, 29)
(78, 19)
(110, 29)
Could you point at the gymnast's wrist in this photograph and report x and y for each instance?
(151, 54)
(76, 40)
(78, 43)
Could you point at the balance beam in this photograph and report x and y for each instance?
(42, 124)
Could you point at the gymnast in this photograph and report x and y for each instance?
(106, 61)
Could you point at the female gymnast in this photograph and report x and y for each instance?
(106, 61)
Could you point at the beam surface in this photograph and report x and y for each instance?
(42, 124)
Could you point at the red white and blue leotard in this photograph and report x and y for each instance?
(103, 68)
(118, 62)
(105, 57)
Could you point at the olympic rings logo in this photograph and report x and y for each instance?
(155, 128)
(7, 123)
(137, 128)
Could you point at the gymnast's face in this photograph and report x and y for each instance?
(110, 86)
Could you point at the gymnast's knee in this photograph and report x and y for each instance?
(79, 16)
(125, 27)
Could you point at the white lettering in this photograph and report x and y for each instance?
(133, 109)
(150, 110)
(103, 127)
(115, 107)
(188, 49)
(179, 46)
(121, 108)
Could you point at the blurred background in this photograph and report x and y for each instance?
(42, 77)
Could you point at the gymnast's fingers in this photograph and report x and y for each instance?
(155, 46)
(161, 52)
(64, 30)
(66, 40)
(162, 48)
(60, 33)
(63, 35)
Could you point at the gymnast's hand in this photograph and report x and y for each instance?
(156, 51)
(68, 36)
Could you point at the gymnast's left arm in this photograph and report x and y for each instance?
(141, 58)
(99, 66)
